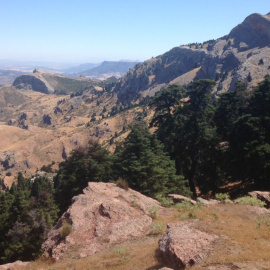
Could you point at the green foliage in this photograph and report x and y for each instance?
(187, 210)
(157, 227)
(222, 197)
(121, 252)
(144, 164)
(189, 132)
(250, 201)
(152, 211)
(216, 141)
(27, 212)
(89, 164)
(165, 201)
(265, 220)
(66, 85)
(65, 230)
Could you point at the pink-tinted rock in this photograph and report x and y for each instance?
(101, 217)
(180, 198)
(182, 245)
(15, 265)
(261, 195)
(207, 202)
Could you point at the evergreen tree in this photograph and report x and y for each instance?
(144, 164)
(89, 164)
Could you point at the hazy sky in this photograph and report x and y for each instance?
(96, 30)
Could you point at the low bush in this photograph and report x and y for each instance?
(122, 183)
(222, 197)
(166, 202)
(157, 228)
(66, 230)
(152, 211)
(250, 201)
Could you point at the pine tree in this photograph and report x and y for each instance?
(145, 165)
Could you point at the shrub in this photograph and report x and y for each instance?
(121, 252)
(66, 230)
(166, 202)
(152, 211)
(250, 201)
(157, 228)
(187, 206)
(222, 197)
(122, 183)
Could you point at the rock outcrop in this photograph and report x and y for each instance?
(103, 216)
(13, 266)
(180, 199)
(182, 245)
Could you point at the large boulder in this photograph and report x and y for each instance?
(182, 245)
(180, 199)
(261, 195)
(103, 216)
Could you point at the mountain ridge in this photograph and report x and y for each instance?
(242, 55)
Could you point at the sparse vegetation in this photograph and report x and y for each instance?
(165, 201)
(222, 197)
(65, 230)
(122, 183)
(152, 211)
(121, 252)
(250, 201)
(157, 228)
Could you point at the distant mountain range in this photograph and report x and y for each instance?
(107, 69)
(10, 70)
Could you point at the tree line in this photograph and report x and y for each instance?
(216, 141)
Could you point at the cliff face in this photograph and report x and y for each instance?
(35, 82)
(243, 54)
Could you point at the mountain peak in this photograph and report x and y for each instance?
(253, 31)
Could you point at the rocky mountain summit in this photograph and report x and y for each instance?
(242, 55)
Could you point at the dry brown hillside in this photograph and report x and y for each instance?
(37, 129)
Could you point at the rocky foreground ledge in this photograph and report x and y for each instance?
(103, 216)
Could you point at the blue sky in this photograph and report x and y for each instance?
(95, 30)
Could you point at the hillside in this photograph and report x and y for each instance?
(242, 55)
(7, 76)
(38, 128)
(45, 82)
(71, 111)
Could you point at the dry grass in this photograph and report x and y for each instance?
(241, 240)
(137, 255)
